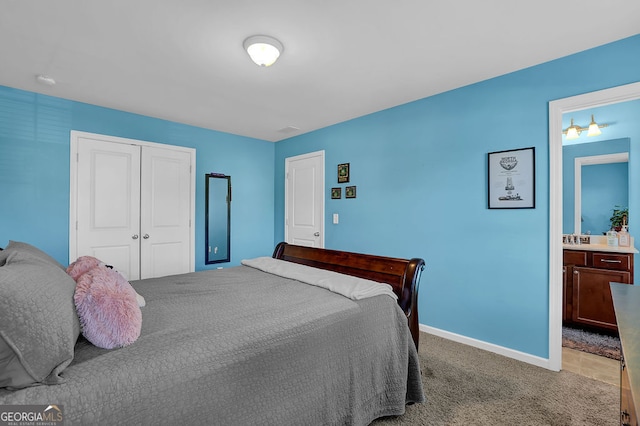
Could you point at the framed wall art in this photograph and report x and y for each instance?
(336, 193)
(350, 192)
(343, 173)
(511, 179)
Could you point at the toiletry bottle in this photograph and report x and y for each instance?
(612, 238)
(623, 237)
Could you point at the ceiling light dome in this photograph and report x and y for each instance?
(46, 80)
(263, 50)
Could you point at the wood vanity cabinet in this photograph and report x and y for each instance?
(586, 293)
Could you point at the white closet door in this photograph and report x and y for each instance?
(132, 205)
(165, 212)
(108, 204)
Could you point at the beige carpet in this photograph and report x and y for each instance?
(469, 386)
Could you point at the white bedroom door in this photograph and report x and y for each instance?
(304, 200)
(133, 206)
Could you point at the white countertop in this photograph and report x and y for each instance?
(599, 247)
(599, 243)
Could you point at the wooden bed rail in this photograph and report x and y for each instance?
(402, 274)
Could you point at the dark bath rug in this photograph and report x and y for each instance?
(594, 343)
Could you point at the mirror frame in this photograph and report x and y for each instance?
(557, 108)
(208, 177)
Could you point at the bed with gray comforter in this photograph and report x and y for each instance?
(240, 346)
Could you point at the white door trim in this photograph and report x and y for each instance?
(557, 108)
(287, 161)
(73, 185)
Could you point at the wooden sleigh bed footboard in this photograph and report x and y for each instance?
(402, 274)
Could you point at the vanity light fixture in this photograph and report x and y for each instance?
(573, 131)
(594, 128)
(263, 50)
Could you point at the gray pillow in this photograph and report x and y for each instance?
(17, 246)
(38, 322)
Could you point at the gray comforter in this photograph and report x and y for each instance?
(239, 346)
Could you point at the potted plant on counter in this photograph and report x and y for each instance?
(619, 218)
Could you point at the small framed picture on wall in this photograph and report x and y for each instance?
(336, 193)
(350, 192)
(343, 173)
(511, 182)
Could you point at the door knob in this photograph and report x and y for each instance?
(145, 236)
(316, 234)
(134, 237)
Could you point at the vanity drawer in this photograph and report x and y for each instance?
(619, 262)
(572, 257)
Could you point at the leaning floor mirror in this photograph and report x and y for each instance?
(217, 218)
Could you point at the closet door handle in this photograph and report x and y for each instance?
(134, 237)
(145, 236)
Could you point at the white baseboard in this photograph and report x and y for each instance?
(500, 350)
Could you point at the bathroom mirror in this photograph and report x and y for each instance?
(595, 180)
(217, 218)
(601, 184)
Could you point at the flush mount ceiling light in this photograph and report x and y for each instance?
(573, 131)
(263, 50)
(45, 79)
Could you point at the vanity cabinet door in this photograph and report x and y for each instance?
(567, 293)
(592, 302)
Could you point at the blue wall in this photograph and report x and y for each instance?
(420, 169)
(34, 171)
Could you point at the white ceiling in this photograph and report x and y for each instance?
(183, 60)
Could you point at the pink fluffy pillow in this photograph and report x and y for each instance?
(82, 265)
(107, 307)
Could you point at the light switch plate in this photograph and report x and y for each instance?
(335, 218)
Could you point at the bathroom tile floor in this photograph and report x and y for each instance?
(597, 367)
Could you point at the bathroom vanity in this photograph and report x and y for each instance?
(587, 271)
